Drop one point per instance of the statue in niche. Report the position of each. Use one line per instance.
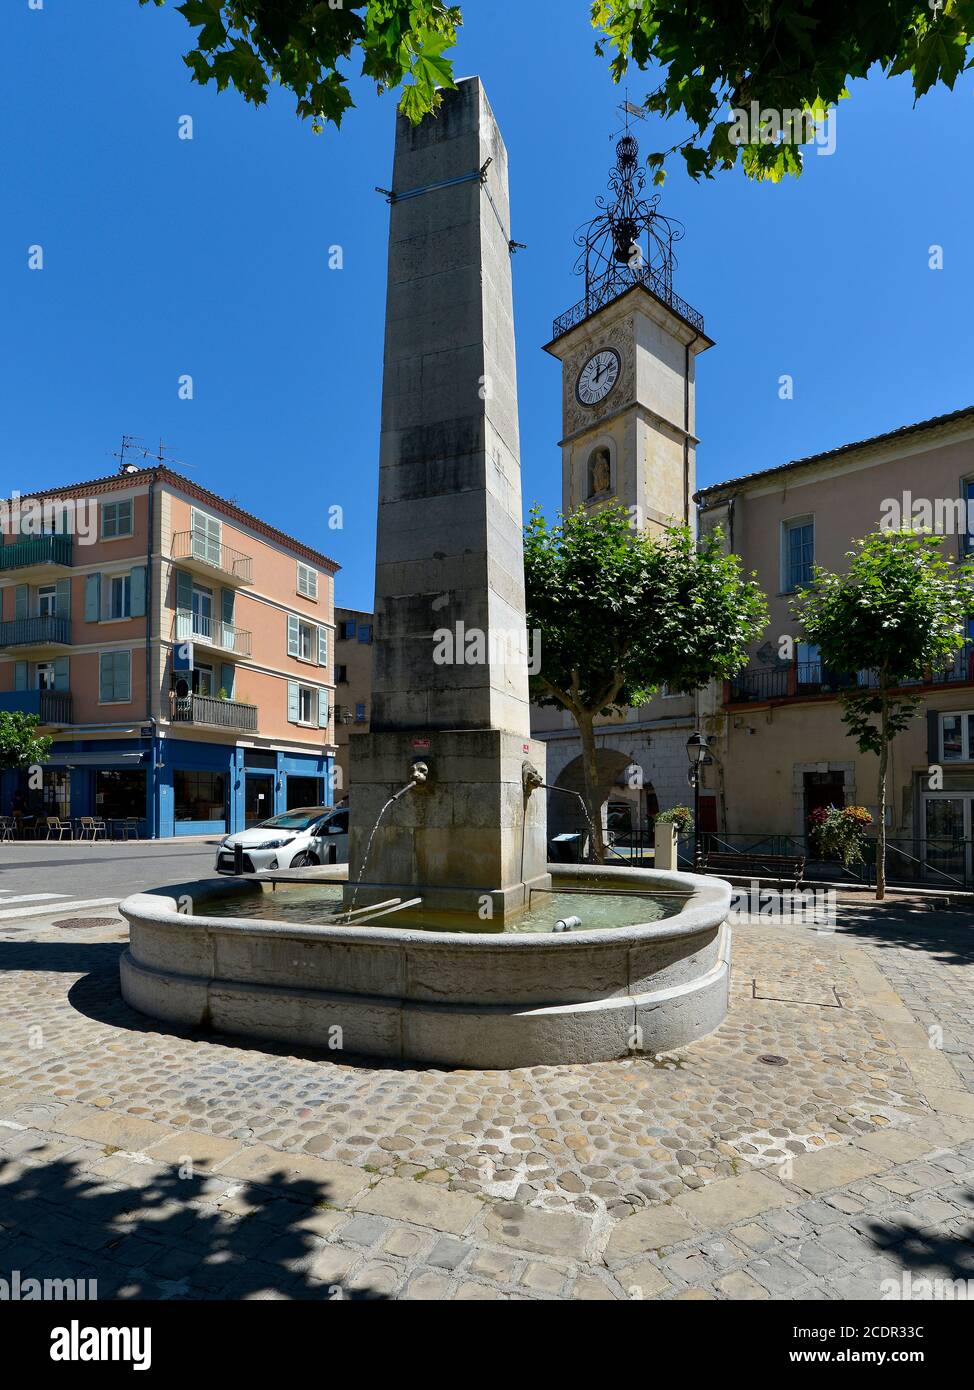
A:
(599, 472)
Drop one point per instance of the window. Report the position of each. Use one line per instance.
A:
(365, 632)
(119, 597)
(207, 534)
(120, 793)
(47, 600)
(44, 675)
(360, 714)
(307, 581)
(957, 738)
(341, 675)
(203, 680)
(798, 553)
(115, 678)
(307, 704)
(307, 641)
(968, 492)
(199, 796)
(202, 608)
(116, 519)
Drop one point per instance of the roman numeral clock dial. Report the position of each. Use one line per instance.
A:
(598, 377)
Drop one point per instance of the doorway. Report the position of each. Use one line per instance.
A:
(258, 799)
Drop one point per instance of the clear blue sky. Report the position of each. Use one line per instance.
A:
(210, 257)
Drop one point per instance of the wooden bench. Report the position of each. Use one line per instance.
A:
(779, 866)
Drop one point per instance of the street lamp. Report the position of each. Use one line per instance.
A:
(698, 751)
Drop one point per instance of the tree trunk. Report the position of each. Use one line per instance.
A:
(593, 800)
(881, 798)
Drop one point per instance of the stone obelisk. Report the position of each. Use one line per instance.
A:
(450, 679)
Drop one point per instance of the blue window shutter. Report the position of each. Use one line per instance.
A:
(137, 598)
(62, 673)
(322, 709)
(123, 675)
(92, 598)
(227, 674)
(105, 676)
(20, 675)
(184, 590)
(322, 646)
(21, 599)
(63, 598)
(293, 640)
(293, 702)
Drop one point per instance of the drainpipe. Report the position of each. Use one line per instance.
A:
(686, 429)
(152, 799)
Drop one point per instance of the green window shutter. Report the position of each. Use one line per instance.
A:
(322, 646)
(227, 601)
(105, 676)
(293, 702)
(293, 639)
(62, 680)
(21, 600)
(123, 675)
(184, 591)
(20, 675)
(322, 709)
(63, 598)
(92, 598)
(227, 674)
(138, 578)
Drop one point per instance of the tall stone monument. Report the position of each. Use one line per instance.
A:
(450, 679)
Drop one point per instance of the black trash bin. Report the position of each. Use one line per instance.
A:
(566, 849)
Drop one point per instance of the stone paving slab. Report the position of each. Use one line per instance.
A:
(172, 1164)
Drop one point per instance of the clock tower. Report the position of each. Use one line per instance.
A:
(628, 352)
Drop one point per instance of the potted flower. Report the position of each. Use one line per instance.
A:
(839, 832)
(668, 827)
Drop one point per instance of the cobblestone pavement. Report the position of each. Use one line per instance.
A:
(819, 1143)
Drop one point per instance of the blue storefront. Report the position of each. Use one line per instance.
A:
(170, 786)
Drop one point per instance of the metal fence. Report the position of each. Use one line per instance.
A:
(937, 863)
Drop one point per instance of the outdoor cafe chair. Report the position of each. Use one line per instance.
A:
(92, 828)
(58, 828)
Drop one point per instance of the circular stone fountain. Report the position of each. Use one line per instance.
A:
(454, 998)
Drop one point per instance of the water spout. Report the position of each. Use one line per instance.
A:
(420, 776)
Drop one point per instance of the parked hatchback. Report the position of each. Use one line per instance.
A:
(296, 840)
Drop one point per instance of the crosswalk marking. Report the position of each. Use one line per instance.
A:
(30, 897)
(65, 906)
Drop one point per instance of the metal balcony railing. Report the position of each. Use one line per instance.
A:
(50, 706)
(48, 630)
(36, 550)
(619, 281)
(806, 678)
(193, 627)
(194, 545)
(213, 713)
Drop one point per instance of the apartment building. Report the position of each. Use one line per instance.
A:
(353, 687)
(178, 649)
(781, 747)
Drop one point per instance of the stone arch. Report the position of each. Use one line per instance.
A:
(565, 813)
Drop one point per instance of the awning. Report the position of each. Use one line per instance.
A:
(105, 760)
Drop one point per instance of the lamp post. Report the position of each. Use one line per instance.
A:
(698, 749)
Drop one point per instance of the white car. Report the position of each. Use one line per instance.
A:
(295, 840)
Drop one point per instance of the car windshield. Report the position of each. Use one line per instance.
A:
(293, 820)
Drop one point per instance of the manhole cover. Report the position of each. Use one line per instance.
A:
(73, 923)
(770, 1060)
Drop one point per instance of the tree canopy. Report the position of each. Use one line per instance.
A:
(20, 747)
(712, 56)
(621, 613)
(302, 44)
(899, 613)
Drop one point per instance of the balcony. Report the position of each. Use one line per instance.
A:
(41, 553)
(47, 630)
(210, 632)
(50, 706)
(210, 712)
(198, 552)
(809, 679)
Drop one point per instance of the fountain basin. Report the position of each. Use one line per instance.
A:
(487, 1001)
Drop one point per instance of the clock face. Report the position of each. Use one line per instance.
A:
(599, 375)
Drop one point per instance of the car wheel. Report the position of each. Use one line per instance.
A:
(304, 860)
